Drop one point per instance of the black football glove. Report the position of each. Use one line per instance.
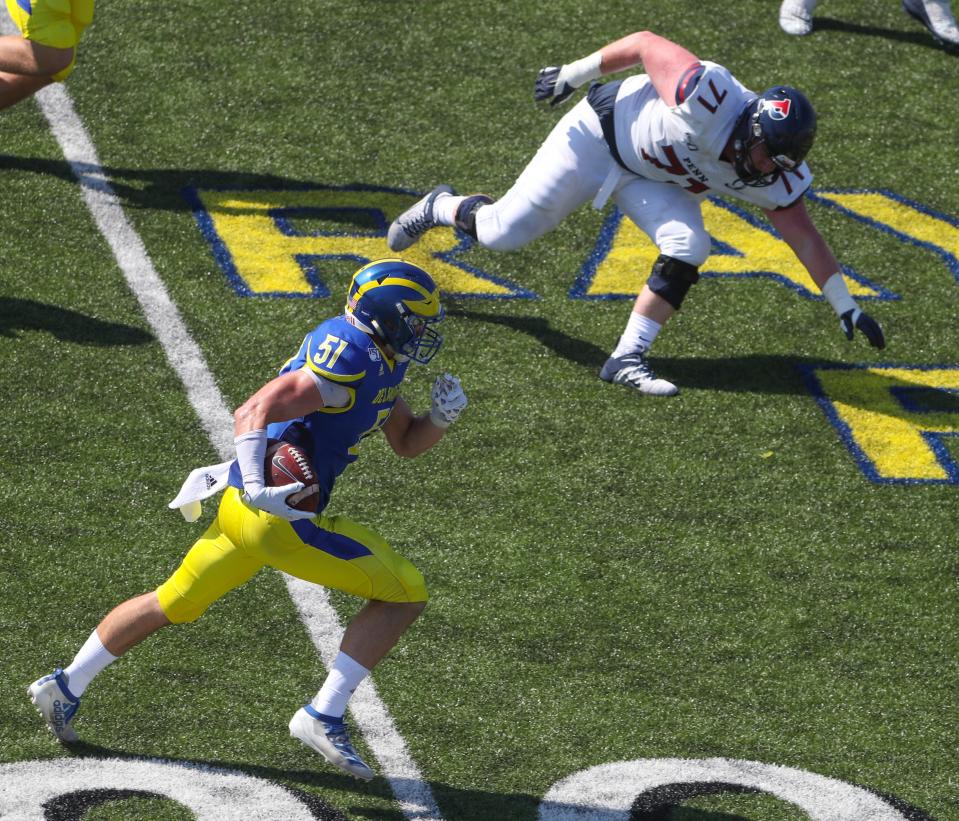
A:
(857, 319)
(546, 88)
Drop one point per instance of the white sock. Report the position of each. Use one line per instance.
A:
(345, 676)
(92, 658)
(444, 208)
(640, 333)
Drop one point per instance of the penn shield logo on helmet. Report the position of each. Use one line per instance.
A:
(781, 119)
(777, 109)
(398, 302)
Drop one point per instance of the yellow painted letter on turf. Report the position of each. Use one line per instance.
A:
(755, 253)
(892, 419)
(917, 224)
(268, 241)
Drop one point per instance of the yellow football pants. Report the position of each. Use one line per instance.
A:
(332, 551)
(55, 23)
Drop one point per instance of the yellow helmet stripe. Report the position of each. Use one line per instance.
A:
(429, 306)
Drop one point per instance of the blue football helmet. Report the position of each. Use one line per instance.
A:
(782, 119)
(398, 302)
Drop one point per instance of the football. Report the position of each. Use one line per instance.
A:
(286, 463)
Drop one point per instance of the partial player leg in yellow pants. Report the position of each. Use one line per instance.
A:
(46, 51)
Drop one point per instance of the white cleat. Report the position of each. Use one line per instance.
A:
(935, 15)
(415, 221)
(633, 371)
(795, 16)
(330, 740)
(56, 704)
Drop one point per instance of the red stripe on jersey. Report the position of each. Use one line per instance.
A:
(688, 82)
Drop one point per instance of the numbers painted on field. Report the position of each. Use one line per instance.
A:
(606, 792)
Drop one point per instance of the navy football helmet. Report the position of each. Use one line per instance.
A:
(397, 302)
(785, 122)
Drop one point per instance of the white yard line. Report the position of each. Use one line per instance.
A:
(373, 718)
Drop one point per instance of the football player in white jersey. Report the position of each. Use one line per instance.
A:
(656, 144)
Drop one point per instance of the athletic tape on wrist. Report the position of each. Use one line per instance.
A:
(582, 71)
(837, 294)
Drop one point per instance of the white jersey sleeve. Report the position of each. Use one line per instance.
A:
(709, 102)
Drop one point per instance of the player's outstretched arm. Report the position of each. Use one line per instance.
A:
(663, 60)
(797, 229)
(411, 435)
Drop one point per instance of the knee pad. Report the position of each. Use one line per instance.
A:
(672, 278)
(466, 213)
(698, 250)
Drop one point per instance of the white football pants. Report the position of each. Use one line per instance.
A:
(570, 168)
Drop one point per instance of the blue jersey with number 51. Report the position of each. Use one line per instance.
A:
(341, 353)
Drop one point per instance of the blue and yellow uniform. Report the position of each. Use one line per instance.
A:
(55, 23)
(332, 551)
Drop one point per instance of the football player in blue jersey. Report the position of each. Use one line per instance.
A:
(341, 386)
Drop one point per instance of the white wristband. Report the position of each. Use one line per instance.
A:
(837, 294)
(250, 453)
(581, 71)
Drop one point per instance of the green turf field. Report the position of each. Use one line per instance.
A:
(761, 569)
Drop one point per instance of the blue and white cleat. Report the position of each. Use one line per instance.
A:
(330, 739)
(56, 704)
(633, 371)
(415, 221)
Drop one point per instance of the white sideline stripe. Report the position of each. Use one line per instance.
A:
(164, 318)
(413, 794)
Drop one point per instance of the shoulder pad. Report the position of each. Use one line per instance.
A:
(792, 186)
(710, 88)
(338, 352)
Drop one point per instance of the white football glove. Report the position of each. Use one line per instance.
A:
(250, 455)
(273, 500)
(448, 401)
